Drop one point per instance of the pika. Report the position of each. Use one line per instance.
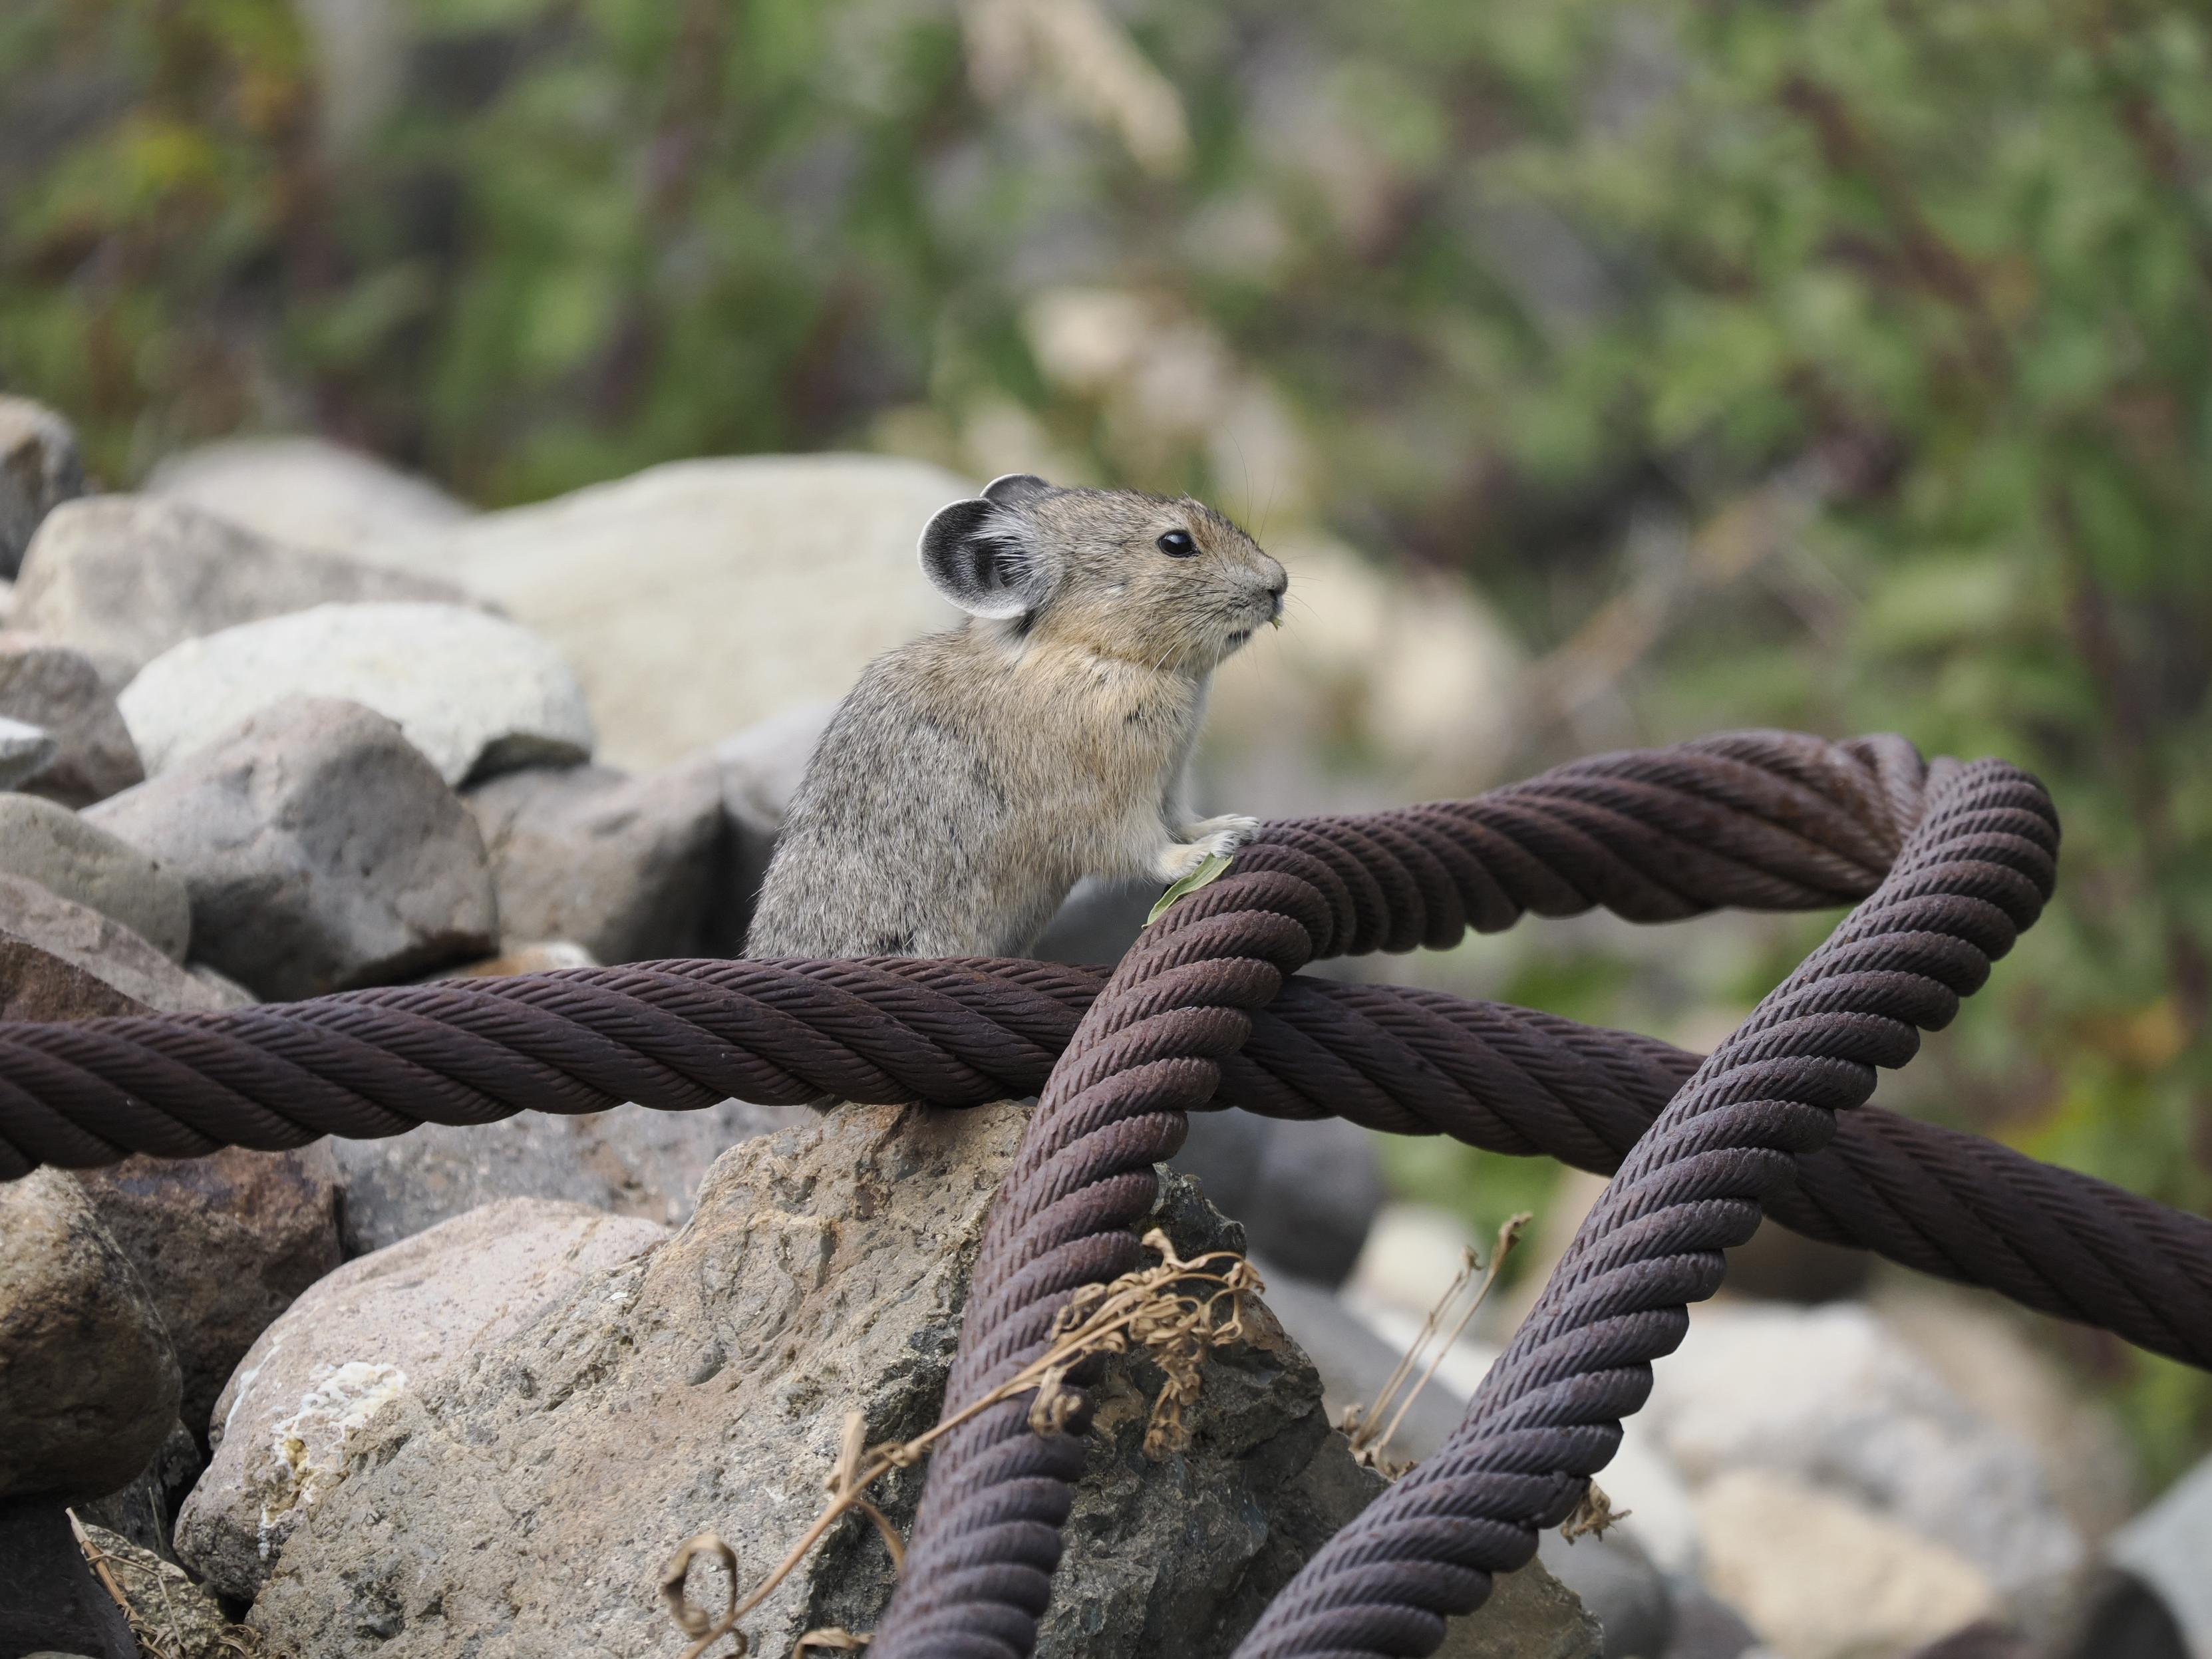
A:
(972, 776)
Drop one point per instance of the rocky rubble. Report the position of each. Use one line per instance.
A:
(320, 849)
(627, 1162)
(305, 492)
(474, 693)
(1820, 1578)
(222, 1243)
(123, 578)
(1850, 1478)
(1828, 1397)
(88, 1383)
(699, 596)
(49, 934)
(144, 1511)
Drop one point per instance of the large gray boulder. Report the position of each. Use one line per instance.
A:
(321, 851)
(697, 598)
(629, 1161)
(379, 1329)
(123, 578)
(64, 938)
(623, 866)
(475, 693)
(703, 1385)
(223, 1244)
(306, 492)
(39, 469)
(50, 685)
(76, 858)
(88, 1385)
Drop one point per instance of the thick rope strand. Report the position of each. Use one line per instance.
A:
(1761, 820)
(1547, 1416)
(956, 1033)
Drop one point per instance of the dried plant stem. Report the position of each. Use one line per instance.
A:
(1370, 1436)
(97, 1558)
(1149, 1308)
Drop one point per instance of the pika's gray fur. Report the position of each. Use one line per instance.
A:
(971, 777)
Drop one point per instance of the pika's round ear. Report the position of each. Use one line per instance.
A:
(982, 557)
(1016, 489)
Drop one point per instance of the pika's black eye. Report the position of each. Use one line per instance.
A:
(1177, 544)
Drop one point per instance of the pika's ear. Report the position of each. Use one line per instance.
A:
(983, 557)
(1016, 489)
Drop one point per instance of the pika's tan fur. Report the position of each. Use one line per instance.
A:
(973, 777)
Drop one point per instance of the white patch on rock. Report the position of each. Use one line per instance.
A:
(378, 1330)
(307, 1448)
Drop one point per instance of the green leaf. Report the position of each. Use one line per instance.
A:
(1214, 865)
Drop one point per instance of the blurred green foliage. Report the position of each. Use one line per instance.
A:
(1836, 364)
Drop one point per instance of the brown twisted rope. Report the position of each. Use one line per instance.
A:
(955, 1033)
(1976, 871)
(1757, 819)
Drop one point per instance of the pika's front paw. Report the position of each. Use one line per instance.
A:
(1223, 834)
(1209, 838)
